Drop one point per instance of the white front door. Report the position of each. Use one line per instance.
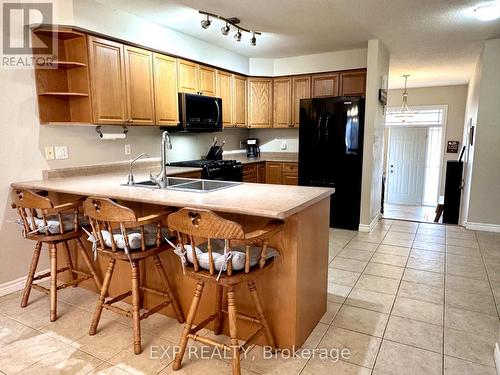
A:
(405, 177)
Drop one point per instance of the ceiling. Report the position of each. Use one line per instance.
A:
(437, 42)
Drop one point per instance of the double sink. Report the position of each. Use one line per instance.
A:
(188, 184)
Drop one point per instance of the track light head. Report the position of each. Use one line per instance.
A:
(225, 30)
(237, 36)
(206, 23)
(253, 40)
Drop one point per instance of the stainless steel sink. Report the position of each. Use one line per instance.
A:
(188, 184)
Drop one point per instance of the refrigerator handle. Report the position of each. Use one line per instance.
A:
(326, 126)
(320, 119)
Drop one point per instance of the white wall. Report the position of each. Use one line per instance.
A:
(373, 145)
(270, 139)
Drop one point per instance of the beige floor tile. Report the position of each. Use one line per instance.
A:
(425, 265)
(465, 260)
(430, 239)
(361, 320)
(338, 293)
(110, 339)
(404, 227)
(468, 271)
(463, 284)
(326, 367)
(81, 297)
(418, 310)
(421, 292)
(462, 242)
(463, 235)
(367, 299)
(384, 270)
(397, 242)
(428, 255)
(429, 246)
(392, 260)
(481, 303)
(424, 277)
(363, 348)
(67, 361)
(37, 316)
(107, 369)
(397, 359)
(400, 235)
(469, 347)
(348, 264)
(374, 237)
(431, 231)
(455, 366)
(414, 333)
(394, 250)
(315, 337)
(472, 322)
(361, 245)
(332, 308)
(461, 250)
(258, 361)
(378, 284)
(343, 277)
(361, 255)
(493, 271)
(162, 326)
(11, 330)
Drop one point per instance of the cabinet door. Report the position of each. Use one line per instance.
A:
(187, 76)
(139, 86)
(165, 85)
(274, 173)
(107, 79)
(353, 83)
(282, 100)
(207, 80)
(261, 173)
(260, 103)
(325, 85)
(225, 92)
(240, 101)
(290, 179)
(301, 89)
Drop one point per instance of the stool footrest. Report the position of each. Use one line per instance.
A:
(118, 298)
(40, 288)
(118, 310)
(207, 341)
(154, 291)
(47, 274)
(244, 317)
(252, 338)
(155, 309)
(202, 324)
(74, 282)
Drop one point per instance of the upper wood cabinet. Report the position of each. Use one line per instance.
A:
(282, 101)
(239, 101)
(139, 86)
(225, 92)
(207, 80)
(353, 83)
(165, 90)
(325, 85)
(187, 76)
(107, 81)
(260, 102)
(301, 89)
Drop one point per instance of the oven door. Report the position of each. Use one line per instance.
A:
(200, 113)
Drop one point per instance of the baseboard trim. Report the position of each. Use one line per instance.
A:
(368, 228)
(15, 285)
(483, 227)
(496, 357)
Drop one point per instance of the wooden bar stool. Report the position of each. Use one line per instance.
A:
(120, 235)
(226, 256)
(44, 222)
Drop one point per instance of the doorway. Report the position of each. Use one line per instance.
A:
(413, 163)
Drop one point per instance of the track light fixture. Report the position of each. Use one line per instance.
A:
(229, 22)
(206, 23)
(225, 30)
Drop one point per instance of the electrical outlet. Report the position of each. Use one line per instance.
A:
(61, 152)
(243, 143)
(128, 150)
(49, 153)
(283, 145)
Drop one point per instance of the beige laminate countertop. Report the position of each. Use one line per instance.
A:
(272, 201)
(281, 157)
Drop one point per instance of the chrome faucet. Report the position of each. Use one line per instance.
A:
(161, 178)
(130, 177)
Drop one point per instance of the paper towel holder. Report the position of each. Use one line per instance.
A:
(98, 130)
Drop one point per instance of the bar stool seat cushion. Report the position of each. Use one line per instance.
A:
(134, 237)
(237, 255)
(53, 223)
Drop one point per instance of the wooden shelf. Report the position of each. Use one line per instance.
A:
(62, 34)
(69, 64)
(60, 93)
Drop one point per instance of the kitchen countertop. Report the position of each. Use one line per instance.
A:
(284, 157)
(263, 200)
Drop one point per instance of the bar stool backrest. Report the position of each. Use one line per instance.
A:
(34, 209)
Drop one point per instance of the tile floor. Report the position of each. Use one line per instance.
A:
(406, 298)
(415, 213)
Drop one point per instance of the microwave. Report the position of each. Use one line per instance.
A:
(199, 113)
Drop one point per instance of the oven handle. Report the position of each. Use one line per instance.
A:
(218, 110)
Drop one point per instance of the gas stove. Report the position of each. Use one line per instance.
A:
(227, 170)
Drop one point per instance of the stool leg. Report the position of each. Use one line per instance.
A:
(233, 332)
(260, 312)
(89, 264)
(31, 274)
(166, 284)
(53, 281)
(218, 307)
(69, 263)
(136, 308)
(187, 327)
(102, 297)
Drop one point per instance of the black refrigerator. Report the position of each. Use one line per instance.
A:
(331, 153)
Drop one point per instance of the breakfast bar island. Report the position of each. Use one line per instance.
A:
(293, 292)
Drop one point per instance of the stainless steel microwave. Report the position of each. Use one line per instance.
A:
(199, 113)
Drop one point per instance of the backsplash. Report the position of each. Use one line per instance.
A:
(270, 140)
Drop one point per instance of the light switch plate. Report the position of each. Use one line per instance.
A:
(49, 153)
(128, 150)
(283, 145)
(61, 152)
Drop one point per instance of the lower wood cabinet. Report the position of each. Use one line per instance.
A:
(261, 173)
(250, 173)
(274, 172)
(282, 173)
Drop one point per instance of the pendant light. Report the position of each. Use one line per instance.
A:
(405, 114)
